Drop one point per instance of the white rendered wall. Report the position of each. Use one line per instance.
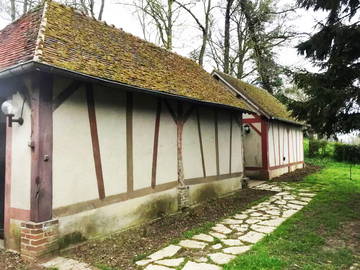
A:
(191, 149)
(111, 124)
(285, 144)
(253, 147)
(208, 137)
(143, 139)
(21, 157)
(74, 178)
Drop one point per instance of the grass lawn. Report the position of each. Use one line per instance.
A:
(324, 235)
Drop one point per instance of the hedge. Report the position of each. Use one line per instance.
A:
(338, 151)
(347, 152)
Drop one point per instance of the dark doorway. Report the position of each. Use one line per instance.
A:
(2, 169)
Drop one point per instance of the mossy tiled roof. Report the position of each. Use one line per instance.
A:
(18, 40)
(260, 97)
(70, 40)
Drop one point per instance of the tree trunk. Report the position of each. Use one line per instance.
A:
(101, 10)
(169, 25)
(202, 49)
(259, 57)
(25, 6)
(12, 10)
(227, 36)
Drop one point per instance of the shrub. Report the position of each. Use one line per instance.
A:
(318, 148)
(347, 152)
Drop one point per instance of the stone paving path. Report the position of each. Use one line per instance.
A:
(227, 239)
(232, 236)
(61, 263)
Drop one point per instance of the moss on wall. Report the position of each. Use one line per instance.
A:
(70, 239)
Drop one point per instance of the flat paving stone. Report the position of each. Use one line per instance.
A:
(281, 202)
(239, 228)
(143, 262)
(171, 262)
(220, 228)
(273, 212)
(236, 250)
(240, 216)
(203, 237)
(200, 266)
(216, 246)
(305, 199)
(202, 260)
(157, 267)
(252, 221)
(62, 263)
(272, 222)
(168, 251)
(218, 235)
(307, 194)
(232, 242)
(262, 229)
(192, 244)
(221, 258)
(288, 213)
(251, 237)
(298, 202)
(294, 206)
(230, 221)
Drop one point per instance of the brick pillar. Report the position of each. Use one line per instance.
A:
(39, 240)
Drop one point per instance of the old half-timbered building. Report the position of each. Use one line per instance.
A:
(101, 130)
(273, 140)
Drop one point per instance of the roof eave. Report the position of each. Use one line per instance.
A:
(38, 66)
(293, 122)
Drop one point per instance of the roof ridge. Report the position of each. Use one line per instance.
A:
(39, 43)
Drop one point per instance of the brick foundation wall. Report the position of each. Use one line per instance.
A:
(39, 240)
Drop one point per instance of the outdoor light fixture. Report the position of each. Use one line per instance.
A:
(247, 129)
(9, 110)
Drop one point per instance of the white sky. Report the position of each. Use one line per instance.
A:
(122, 17)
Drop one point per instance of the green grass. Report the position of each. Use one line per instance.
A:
(299, 243)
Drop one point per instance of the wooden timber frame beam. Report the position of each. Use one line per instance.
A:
(265, 144)
(42, 147)
(180, 117)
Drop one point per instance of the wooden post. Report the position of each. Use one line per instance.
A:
(179, 141)
(265, 147)
(42, 147)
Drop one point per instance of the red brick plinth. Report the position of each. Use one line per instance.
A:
(39, 240)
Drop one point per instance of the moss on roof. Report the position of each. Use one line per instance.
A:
(79, 43)
(262, 98)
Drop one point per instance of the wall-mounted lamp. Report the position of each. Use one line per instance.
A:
(247, 129)
(9, 110)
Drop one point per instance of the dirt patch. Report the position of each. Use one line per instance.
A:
(347, 237)
(122, 249)
(12, 261)
(297, 175)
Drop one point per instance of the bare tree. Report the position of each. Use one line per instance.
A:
(16, 8)
(162, 14)
(228, 14)
(204, 26)
(256, 28)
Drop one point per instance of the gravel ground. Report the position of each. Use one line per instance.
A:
(122, 249)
